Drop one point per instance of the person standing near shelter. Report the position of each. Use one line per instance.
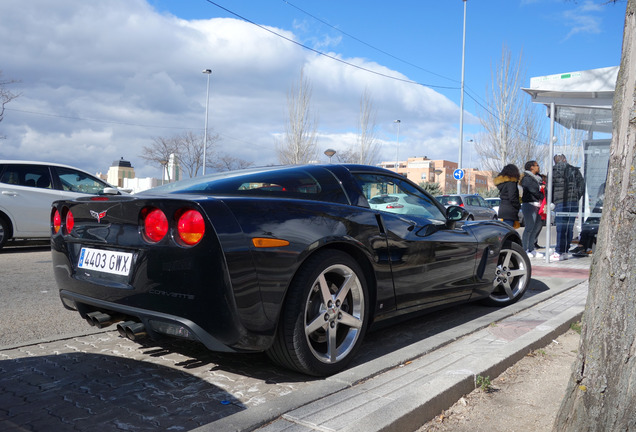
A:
(531, 183)
(508, 184)
(568, 186)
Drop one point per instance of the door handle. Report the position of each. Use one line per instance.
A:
(9, 193)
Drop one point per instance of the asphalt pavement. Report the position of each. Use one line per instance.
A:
(403, 377)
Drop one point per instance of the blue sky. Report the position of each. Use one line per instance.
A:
(100, 80)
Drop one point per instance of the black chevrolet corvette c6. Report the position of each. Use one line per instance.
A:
(295, 261)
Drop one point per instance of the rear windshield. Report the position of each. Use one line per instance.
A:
(293, 183)
(449, 200)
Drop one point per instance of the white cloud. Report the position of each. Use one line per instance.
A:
(585, 18)
(99, 80)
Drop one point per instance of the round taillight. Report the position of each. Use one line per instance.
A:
(191, 227)
(155, 225)
(69, 223)
(57, 221)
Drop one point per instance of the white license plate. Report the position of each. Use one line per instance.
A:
(118, 263)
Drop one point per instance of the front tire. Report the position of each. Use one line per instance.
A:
(512, 276)
(325, 316)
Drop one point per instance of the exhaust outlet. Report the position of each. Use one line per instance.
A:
(131, 330)
(100, 319)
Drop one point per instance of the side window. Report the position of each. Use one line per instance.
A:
(77, 181)
(27, 175)
(394, 195)
(482, 202)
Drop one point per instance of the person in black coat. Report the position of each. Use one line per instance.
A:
(568, 187)
(532, 185)
(507, 182)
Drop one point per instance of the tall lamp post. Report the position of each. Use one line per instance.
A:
(461, 104)
(437, 173)
(329, 153)
(470, 165)
(208, 72)
(397, 147)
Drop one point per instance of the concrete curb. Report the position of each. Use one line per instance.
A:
(414, 408)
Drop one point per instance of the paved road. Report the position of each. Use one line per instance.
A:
(58, 373)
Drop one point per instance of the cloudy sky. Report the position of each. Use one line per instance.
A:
(98, 80)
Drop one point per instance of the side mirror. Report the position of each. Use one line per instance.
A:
(456, 213)
(111, 191)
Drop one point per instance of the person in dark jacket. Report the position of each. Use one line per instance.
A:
(568, 186)
(532, 185)
(507, 182)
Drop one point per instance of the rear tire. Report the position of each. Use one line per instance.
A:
(511, 277)
(4, 232)
(325, 316)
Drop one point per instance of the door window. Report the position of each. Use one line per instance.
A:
(27, 175)
(77, 181)
(394, 195)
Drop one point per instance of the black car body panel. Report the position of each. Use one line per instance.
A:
(229, 294)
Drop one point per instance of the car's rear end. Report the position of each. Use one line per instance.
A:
(155, 266)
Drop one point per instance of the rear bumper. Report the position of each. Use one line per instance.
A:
(157, 324)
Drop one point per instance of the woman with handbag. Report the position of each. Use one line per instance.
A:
(532, 185)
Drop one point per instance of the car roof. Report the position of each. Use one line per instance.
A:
(25, 162)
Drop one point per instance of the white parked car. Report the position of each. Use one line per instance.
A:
(27, 190)
(493, 203)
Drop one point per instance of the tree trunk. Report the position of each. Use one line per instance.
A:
(601, 395)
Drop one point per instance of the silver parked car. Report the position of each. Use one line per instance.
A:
(474, 204)
(27, 190)
(494, 204)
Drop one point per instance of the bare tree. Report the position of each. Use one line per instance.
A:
(530, 141)
(601, 394)
(159, 152)
(6, 96)
(190, 151)
(569, 143)
(367, 145)
(348, 156)
(299, 142)
(512, 129)
(188, 147)
(226, 162)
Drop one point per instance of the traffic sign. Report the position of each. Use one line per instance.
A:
(458, 174)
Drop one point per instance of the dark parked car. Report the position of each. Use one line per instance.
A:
(475, 205)
(292, 261)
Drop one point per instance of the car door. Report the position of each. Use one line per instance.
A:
(478, 208)
(26, 194)
(430, 264)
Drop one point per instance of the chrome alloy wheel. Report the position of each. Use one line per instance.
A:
(512, 275)
(334, 313)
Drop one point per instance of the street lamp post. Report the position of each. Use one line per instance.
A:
(437, 173)
(461, 103)
(470, 165)
(329, 153)
(208, 72)
(397, 147)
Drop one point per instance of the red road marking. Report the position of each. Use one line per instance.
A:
(560, 272)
